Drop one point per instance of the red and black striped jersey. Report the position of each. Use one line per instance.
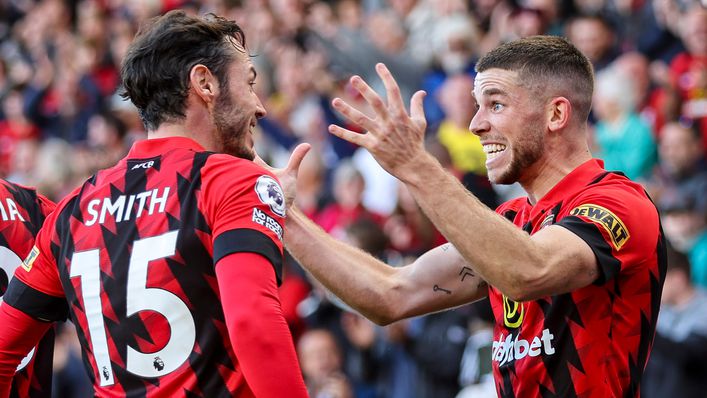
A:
(22, 212)
(133, 251)
(593, 341)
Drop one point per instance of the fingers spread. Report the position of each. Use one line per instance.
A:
(373, 99)
(348, 135)
(353, 114)
(395, 99)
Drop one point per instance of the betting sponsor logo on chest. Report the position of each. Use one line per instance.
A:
(507, 348)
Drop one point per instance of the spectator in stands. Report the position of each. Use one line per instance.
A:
(682, 169)
(321, 361)
(677, 365)
(688, 71)
(467, 154)
(348, 186)
(623, 140)
(594, 37)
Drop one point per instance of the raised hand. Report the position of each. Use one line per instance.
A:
(394, 137)
(288, 174)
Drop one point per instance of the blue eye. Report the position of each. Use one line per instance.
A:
(496, 107)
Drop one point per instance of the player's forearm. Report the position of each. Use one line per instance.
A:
(363, 282)
(502, 254)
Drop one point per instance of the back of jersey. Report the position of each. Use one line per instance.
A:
(134, 254)
(22, 212)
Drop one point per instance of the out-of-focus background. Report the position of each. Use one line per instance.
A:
(61, 119)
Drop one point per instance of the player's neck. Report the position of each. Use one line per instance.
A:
(198, 134)
(540, 178)
(563, 153)
(166, 130)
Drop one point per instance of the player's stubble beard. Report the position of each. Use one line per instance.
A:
(526, 150)
(232, 127)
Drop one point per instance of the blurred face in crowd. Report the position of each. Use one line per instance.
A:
(237, 109)
(694, 34)
(591, 37)
(318, 354)
(455, 100)
(679, 149)
(510, 127)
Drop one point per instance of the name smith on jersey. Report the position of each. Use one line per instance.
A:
(124, 206)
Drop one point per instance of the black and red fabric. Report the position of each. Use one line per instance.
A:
(22, 212)
(594, 341)
(132, 256)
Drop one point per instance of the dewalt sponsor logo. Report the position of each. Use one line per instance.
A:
(613, 225)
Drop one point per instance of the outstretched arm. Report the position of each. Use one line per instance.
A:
(438, 280)
(552, 261)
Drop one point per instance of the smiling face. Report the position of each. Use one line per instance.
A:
(510, 125)
(237, 109)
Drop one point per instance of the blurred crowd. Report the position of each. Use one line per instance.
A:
(62, 118)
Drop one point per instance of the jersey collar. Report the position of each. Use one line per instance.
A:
(157, 146)
(577, 179)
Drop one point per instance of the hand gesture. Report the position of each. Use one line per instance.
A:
(288, 174)
(394, 137)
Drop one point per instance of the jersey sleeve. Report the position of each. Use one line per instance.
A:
(619, 224)
(36, 289)
(244, 205)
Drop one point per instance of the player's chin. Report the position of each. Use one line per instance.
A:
(501, 176)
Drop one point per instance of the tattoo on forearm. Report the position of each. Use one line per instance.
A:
(481, 284)
(436, 288)
(446, 246)
(466, 271)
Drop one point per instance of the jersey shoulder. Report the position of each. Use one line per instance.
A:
(512, 207)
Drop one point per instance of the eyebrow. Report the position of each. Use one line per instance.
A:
(490, 92)
(493, 91)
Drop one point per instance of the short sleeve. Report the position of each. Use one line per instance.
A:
(619, 223)
(245, 206)
(36, 289)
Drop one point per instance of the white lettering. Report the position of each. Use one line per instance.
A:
(145, 165)
(505, 350)
(12, 209)
(535, 347)
(162, 201)
(112, 208)
(118, 209)
(547, 342)
(260, 218)
(92, 211)
(142, 196)
(11, 214)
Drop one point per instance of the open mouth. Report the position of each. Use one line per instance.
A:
(493, 150)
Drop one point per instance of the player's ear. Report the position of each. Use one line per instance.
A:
(558, 113)
(203, 83)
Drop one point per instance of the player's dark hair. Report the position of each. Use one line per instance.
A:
(548, 65)
(155, 71)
